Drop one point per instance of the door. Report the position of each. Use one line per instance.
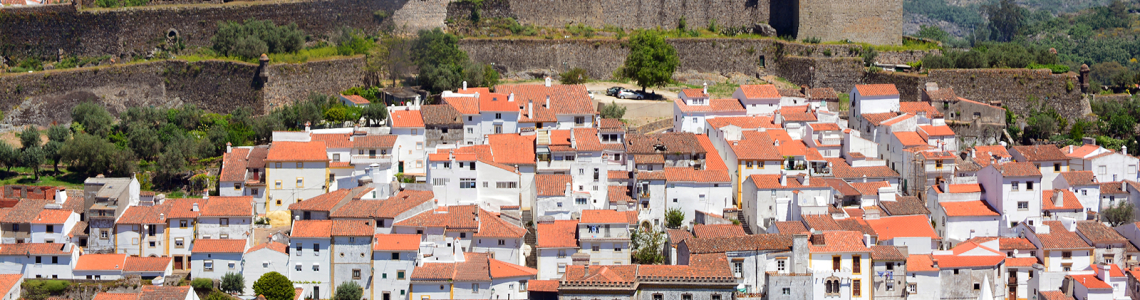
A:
(316, 292)
(178, 263)
(401, 167)
(387, 296)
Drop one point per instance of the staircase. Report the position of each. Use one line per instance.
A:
(531, 239)
(744, 222)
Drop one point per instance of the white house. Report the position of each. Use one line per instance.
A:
(148, 268)
(311, 256)
(840, 264)
(775, 198)
(394, 258)
(1014, 190)
(142, 231)
(557, 241)
(476, 277)
(264, 258)
(213, 258)
(243, 174)
(1083, 185)
(295, 171)
(1061, 249)
(182, 219)
(923, 276)
(53, 226)
(873, 99)
(1050, 160)
(10, 286)
(408, 152)
(226, 218)
(100, 266)
(604, 235)
(39, 260)
(352, 252)
(759, 99)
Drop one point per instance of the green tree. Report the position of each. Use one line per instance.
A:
(91, 155)
(1120, 214)
(57, 137)
(651, 60)
(202, 284)
(613, 111)
(254, 37)
(933, 32)
(349, 290)
(674, 217)
(33, 158)
(217, 295)
(233, 283)
(143, 140)
(869, 55)
(439, 59)
(574, 76)
(9, 156)
(1006, 19)
(648, 244)
(274, 286)
(94, 118)
(30, 137)
(374, 113)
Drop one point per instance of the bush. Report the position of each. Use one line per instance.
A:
(233, 283)
(612, 111)
(349, 290)
(252, 38)
(274, 286)
(674, 218)
(574, 76)
(1056, 69)
(202, 283)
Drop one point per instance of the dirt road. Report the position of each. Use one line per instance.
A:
(637, 112)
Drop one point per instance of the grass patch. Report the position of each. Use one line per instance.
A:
(717, 90)
(23, 176)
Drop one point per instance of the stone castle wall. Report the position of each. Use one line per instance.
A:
(215, 86)
(871, 21)
(1020, 90)
(135, 31)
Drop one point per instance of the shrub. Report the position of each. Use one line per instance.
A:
(233, 283)
(674, 217)
(1055, 68)
(349, 290)
(202, 283)
(245, 39)
(274, 286)
(574, 76)
(613, 111)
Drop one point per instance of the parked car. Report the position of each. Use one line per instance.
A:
(630, 94)
(613, 91)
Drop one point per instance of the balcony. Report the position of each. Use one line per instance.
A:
(371, 159)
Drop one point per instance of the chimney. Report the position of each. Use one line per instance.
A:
(1058, 198)
(867, 240)
(547, 81)
(778, 119)
(706, 89)
(934, 261)
(307, 124)
(464, 85)
(972, 153)
(229, 147)
(799, 253)
(783, 178)
(1124, 150)
(547, 106)
(194, 208)
(511, 97)
(530, 108)
(805, 180)
(568, 190)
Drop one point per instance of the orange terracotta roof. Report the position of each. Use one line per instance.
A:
(154, 292)
(964, 188)
(407, 119)
(940, 130)
(1060, 238)
(877, 89)
(33, 248)
(913, 108)
(559, 234)
(312, 229)
(838, 241)
(1090, 281)
(898, 119)
(275, 246)
(602, 216)
(745, 122)
(759, 91)
(1079, 178)
(680, 174)
(500, 269)
(1021, 262)
(968, 209)
(564, 99)
(1079, 152)
(551, 184)
(297, 151)
(396, 242)
(386, 141)
(869, 188)
(586, 139)
(877, 119)
(494, 226)
(147, 264)
(52, 216)
(1069, 202)
(356, 99)
(958, 261)
(101, 262)
(920, 263)
(718, 231)
(1018, 169)
(495, 102)
(332, 140)
(755, 145)
(234, 165)
(222, 206)
(1055, 295)
(352, 227)
(821, 223)
(1040, 153)
(903, 226)
(790, 227)
(769, 182)
(1006, 243)
(218, 246)
(512, 149)
(545, 286)
(610, 124)
(802, 113)
(715, 105)
(464, 105)
(824, 126)
(612, 274)
(701, 266)
(323, 202)
(695, 93)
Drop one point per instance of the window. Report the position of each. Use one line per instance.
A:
(912, 288)
(439, 181)
(977, 286)
(225, 222)
(1066, 254)
(355, 273)
(419, 145)
(485, 184)
(579, 121)
(595, 248)
(400, 274)
(1056, 167)
(1028, 185)
(55, 260)
(835, 263)
(298, 267)
(1066, 267)
(300, 182)
(467, 183)
(658, 297)
(103, 234)
(39, 259)
(580, 201)
(781, 265)
(395, 256)
(1084, 192)
(208, 265)
(419, 163)
(475, 287)
(522, 285)
(687, 297)
(498, 128)
(1014, 185)
(831, 286)
(277, 165)
(277, 185)
(507, 185)
(152, 244)
(232, 265)
(179, 243)
(561, 268)
(787, 291)
(856, 264)
(1022, 205)
(890, 285)
(502, 242)
(617, 248)
(561, 253)
(856, 288)
(182, 224)
(316, 251)
(316, 267)
(738, 268)
(891, 266)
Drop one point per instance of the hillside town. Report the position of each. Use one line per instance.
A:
(528, 193)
